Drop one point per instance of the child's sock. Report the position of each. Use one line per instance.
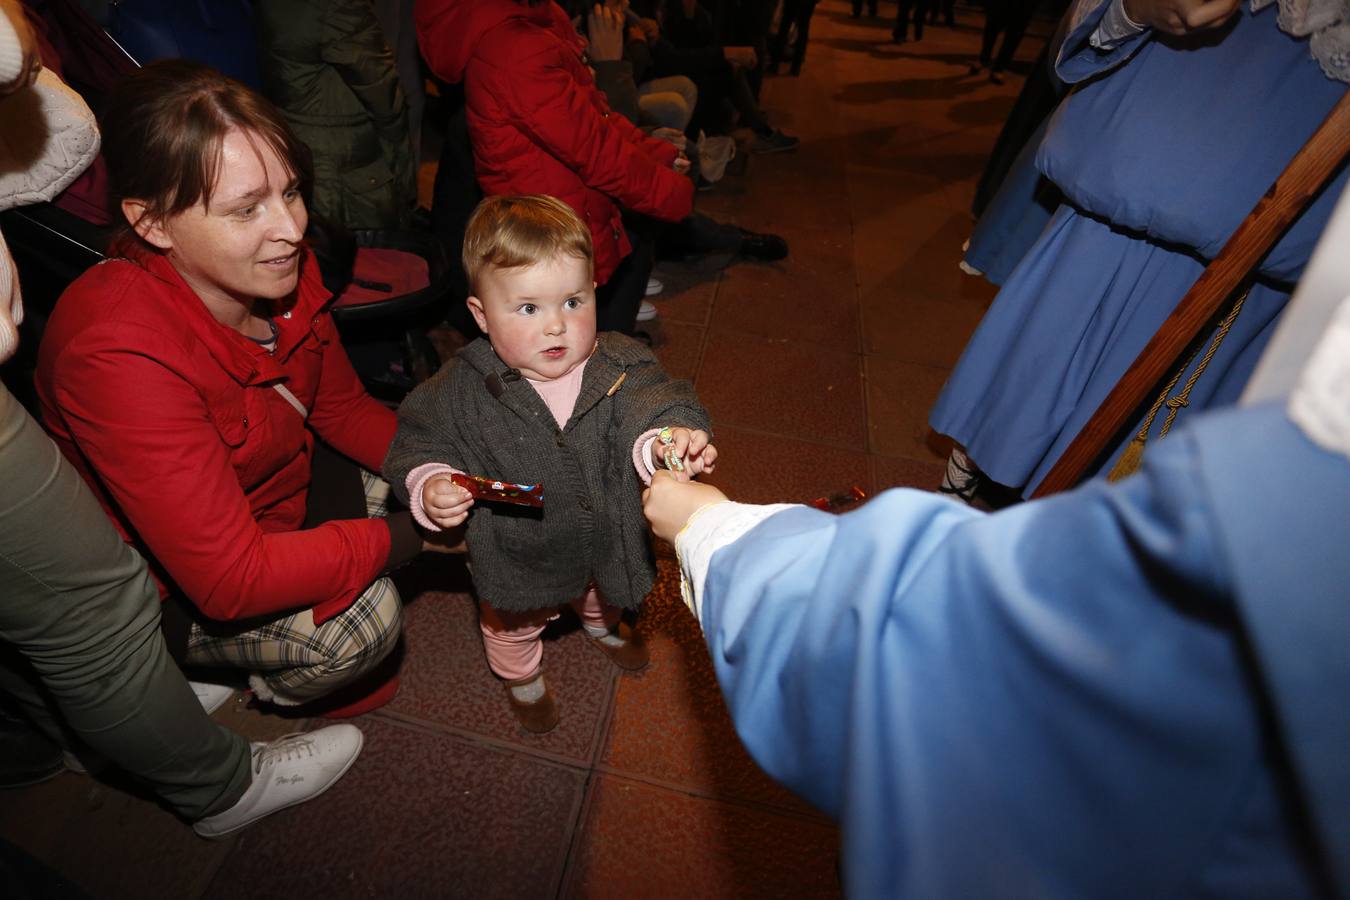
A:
(604, 636)
(529, 692)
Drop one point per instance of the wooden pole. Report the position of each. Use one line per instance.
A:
(1295, 188)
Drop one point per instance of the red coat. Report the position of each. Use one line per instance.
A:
(538, 123)
(202, 465)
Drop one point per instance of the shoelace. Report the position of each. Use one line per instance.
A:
(282, 748)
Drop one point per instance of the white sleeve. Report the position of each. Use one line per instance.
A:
(707, 531)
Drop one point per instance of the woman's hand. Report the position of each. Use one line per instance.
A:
(684, 452)
(669, 503)
(445, 503)
(1180, 16)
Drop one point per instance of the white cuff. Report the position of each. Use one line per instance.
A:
(1115, 27)
(708, 530)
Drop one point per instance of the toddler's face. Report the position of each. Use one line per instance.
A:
(540, 318)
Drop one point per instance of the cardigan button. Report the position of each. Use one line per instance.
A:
(245, 421)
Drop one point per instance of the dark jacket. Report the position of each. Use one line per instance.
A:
(482, 417)
(540, 126)
(326, 65)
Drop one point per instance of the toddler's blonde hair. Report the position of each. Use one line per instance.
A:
(511, 231)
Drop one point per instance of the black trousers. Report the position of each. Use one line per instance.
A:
(619, 298)
(1009, 18)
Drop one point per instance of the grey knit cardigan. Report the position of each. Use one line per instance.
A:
(482, 417)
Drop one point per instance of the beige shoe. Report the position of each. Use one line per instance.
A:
(535, 716)
(631, 655)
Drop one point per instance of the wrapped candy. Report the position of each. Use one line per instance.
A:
(491, 490)
(838, 503)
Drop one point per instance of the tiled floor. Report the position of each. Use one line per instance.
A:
(819, 372)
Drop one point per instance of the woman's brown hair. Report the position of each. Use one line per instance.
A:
(163, 127)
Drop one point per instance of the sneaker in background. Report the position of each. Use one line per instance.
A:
(646, 312)
(286, 772)
(762, 246)
(775, 142)
(654, 287)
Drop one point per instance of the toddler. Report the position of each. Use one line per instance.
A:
(544, 400)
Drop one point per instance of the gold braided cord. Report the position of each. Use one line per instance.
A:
(1134, 451)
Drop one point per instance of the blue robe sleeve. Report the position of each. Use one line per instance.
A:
(1051, 701)
(1078, 59)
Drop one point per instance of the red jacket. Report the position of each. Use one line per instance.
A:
(203, 466)
(538, 123)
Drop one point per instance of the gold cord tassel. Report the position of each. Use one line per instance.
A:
(1129, 460)
(1133, 456)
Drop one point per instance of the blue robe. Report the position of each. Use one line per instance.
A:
(1159, 160)
(1132, 690)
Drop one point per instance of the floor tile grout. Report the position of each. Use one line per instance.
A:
(689, 791)
(413, 723)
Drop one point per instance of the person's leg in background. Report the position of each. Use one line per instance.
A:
(805, 10)
(901, 30)
(697, 233)
(80, 626)
(778, 48)
(994, 13)
(667, 102)
(1015, 24)
(620, 298)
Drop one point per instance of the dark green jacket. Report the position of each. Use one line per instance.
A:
(325, 63)
(483, 418)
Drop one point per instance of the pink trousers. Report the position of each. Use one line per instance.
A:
(511, 639)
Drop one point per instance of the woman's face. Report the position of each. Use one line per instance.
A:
(246, 244)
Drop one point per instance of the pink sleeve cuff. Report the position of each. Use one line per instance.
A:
(642, 455)
(417, 479)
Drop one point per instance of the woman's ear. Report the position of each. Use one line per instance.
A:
(151, 230)
(476, 307)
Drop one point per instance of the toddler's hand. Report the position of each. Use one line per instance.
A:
(445, 503)
(686, 453)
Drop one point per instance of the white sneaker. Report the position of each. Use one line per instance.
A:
(289, 770)
(654, 287)
(646, 312)
(211, 696)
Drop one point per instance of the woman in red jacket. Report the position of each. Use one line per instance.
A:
(187, 377)
(539, 125)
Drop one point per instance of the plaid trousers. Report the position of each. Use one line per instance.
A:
(293, 659)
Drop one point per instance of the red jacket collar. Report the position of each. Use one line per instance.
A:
(245, 362)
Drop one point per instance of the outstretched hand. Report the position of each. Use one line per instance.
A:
(687, 455)
(1180, 17)
(669, 503)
